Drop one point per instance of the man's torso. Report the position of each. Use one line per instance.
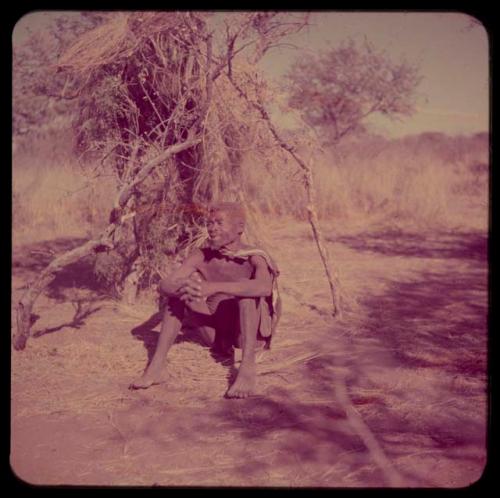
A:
(218, 268)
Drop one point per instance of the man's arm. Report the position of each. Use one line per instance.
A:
(259, 285)
(174, 284)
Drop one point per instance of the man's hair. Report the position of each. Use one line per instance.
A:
(233, 209)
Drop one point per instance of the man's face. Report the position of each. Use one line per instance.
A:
(222, 229)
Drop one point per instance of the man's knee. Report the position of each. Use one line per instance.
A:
(247, 304)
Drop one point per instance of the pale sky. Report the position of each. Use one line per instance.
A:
(452, 56)
(451, 51)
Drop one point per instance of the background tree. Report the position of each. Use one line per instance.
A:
(42, 96)
(337, 90)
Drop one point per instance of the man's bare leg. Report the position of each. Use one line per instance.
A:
(170, 327)
(244, 385)
(225, 310)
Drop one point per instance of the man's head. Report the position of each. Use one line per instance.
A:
(226, 222)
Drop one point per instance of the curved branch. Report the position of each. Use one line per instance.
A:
(127, 190)
(332, 277)
(104, 242)
(25, 304)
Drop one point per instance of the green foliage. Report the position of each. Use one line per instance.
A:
(338, 89)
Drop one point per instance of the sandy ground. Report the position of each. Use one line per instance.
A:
(392, 394)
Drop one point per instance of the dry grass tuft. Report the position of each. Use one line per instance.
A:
(393, 184)
(395, 187)
(53, 199)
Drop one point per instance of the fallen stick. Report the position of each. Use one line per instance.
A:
(392, 476)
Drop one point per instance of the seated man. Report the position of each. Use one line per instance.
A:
(228, 291)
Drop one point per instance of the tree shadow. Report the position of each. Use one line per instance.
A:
(409, 318)
(79, 275)
(83, 309)
(320, 433)
(303, 438)
(470, 246)
(439, 320)
(413, 321)
(311, 426)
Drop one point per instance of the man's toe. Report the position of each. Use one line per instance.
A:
(141, 385)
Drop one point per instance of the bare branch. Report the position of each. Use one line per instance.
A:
(311, 196)
(25, 304)
(127, 190)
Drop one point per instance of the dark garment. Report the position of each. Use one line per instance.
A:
(224, 318)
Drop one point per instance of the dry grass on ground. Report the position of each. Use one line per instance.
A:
(412, 357)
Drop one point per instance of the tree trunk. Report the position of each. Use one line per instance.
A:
(331, 274)
(131, 284)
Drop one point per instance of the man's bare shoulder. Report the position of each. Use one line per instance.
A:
(258, 261)
(198, 252)
(196, 256)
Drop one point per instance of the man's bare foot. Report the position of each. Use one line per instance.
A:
(148, 380)
(244, 385)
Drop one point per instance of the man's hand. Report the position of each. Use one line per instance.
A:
(188, 288)
(195, 289)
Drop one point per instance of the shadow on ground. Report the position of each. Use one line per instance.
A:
(83, 309)
(438, 320)
(469, 246)
(310, 442)
(29, 260)
(145, 332)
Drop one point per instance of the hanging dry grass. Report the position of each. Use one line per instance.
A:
(173, 113)
(101, 45)
(151, 82)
